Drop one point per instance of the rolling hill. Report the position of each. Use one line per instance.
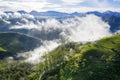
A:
(12, 43)
(99, 60)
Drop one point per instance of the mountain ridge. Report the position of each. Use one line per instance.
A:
(57, 13)
(12, 43)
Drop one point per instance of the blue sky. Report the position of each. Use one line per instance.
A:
(60, 5)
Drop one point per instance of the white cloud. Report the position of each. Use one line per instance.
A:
(27, 6)
(101, 3)
(72, 1)
(40, 51)
(91, 27)
(22, 0)
(85, 9)
(65, 6)
(77, 29)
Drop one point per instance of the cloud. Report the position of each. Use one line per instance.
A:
(40, 51)
(72, 1)
(22, 0)
(118, 31)
(94, 3)
(77, 29)
(16, 15)
(100, 3)
(85, 9)
(90, 27)
(27, 6)
(59, 5)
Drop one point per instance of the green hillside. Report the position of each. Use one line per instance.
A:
(93, 61)
(99, 60)
(12, 43)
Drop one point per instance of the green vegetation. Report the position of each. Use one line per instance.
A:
(1, 49)
(12, 43)
(92, 61)
(15, 70)
(99, 60)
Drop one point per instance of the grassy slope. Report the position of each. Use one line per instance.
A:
(93, 61)
(12, 43)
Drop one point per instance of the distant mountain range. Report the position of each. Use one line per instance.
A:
(61, 14)
(10, 19)
(113, 18)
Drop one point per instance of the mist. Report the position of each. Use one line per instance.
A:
(88, 28)
(51, 30)
(76, 29)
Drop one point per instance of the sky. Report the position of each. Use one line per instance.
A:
(60, 5)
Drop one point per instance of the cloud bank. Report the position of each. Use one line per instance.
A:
(90, 27)
(77, 29)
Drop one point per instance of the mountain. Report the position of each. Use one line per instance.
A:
(99, 60)
(7, 12)
(13, 43)
(78, 14)
(112, 18)
(22, 12)
(49, 14)
(72, 61)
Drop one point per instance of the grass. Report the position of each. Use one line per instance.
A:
(92, 61)
(99, 60)
(1, 49)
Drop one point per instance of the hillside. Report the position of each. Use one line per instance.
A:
(12, 43)
(92, 61)
(99, 60)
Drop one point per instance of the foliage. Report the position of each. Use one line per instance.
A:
(99, 60)
(92, 61)
(12, 43)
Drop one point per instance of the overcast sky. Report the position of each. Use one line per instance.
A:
(60, 5)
